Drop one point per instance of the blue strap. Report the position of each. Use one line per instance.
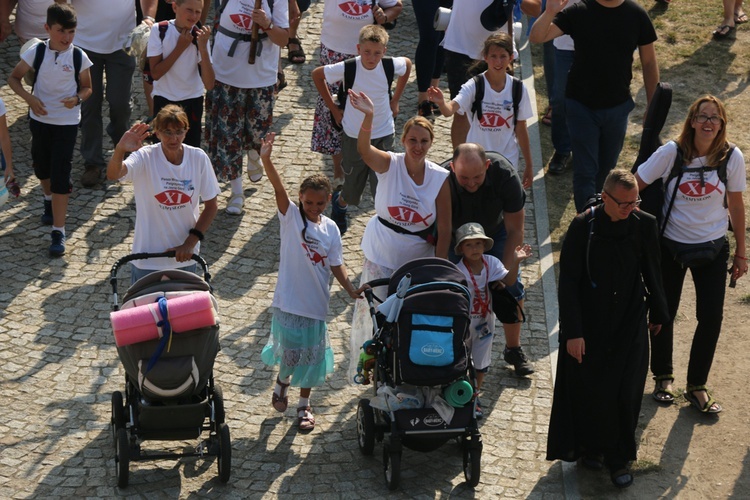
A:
(166, 333)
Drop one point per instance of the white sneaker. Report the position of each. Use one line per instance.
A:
(254, 166)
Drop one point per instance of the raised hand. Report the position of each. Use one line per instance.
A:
(523, 252)
(361, 102)
(132, 140)
(266, 145)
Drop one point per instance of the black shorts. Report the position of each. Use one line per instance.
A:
(460, 68)
(52, 153)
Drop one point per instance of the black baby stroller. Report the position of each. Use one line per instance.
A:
(169, 388)
(422, 344)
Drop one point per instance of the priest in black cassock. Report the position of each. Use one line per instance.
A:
(610, 294)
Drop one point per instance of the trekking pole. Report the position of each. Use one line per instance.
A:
(254, 36)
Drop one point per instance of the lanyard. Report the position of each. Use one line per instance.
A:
(484, 306)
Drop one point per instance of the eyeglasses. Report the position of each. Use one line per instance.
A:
(173, 133)
(625, 204)
(705, 118)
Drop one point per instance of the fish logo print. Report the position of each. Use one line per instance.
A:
(173, 198)
(242, 21)
(494, 120)
(406, 214)
(314, 256)
(353, 8)
(694, 189)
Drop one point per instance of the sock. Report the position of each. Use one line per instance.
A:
(61, 229)
(236, 185)
(279, 389)
(47, 197)
(303, 403)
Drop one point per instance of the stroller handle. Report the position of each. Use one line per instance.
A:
(142, 256)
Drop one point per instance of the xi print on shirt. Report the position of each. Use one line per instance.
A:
(697, 186)
(176, 194)
(243, 19)
(354, 9)
(406, 213)
(312, 248)
(496, 116)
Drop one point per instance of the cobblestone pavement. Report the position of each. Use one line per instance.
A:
(60, 365)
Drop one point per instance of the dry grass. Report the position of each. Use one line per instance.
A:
(693, 64)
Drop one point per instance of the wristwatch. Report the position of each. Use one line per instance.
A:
(79, 100)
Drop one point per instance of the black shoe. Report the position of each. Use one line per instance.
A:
(516, 357)
(338, 213)
(91, 175)
(47, 214)
(558, 163)
(425, 109)
(57, 248)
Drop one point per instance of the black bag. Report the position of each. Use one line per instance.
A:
(506, 307)
(694, 254)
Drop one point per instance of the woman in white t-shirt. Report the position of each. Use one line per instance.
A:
(498, 129)
(170, 180)
(694, 213)
(412, 205)
(310, 252)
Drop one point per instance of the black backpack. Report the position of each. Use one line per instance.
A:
(39, 58)
(350, 72)
(516, 91)
(678, 170)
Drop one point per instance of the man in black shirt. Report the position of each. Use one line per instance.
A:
(598, 100)
(486, 189)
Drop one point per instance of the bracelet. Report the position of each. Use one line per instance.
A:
(739, 257)
(149, 18)
(365, 129)
(197, 234)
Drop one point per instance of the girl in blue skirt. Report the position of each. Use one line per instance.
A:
(310, 251)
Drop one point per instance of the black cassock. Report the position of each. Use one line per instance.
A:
(610, 276)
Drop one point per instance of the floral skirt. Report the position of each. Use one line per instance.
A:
(325, 138)
(301, 348)
(362, 321)
(236, 120)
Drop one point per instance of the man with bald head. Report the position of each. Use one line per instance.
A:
(486, 189)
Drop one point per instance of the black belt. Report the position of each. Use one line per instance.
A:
(426, 234)
(239, 37)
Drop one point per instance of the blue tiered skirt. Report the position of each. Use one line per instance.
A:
(301, 348)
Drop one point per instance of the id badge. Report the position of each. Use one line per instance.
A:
(483, 330)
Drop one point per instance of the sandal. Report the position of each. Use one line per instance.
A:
(622, 478)
(740, 18)
(236, 204)
(306, 422)
(295, 56)
(711, 405)
(547, 118)
(722, 32)
(662, 394)
(281, 83)
(280, 402)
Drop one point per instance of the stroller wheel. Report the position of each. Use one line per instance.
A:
(472, 464)
(122, 458)
(365, 427)
(219, 414)
(225, 453)
(391, 467)
(118, 414)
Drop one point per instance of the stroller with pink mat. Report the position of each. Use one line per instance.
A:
(167, 336)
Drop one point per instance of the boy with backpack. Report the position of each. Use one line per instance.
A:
(181, 65)
(372, 73)
(62, 82)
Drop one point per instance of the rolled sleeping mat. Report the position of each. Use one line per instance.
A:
(185, 313)
(458, 394)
